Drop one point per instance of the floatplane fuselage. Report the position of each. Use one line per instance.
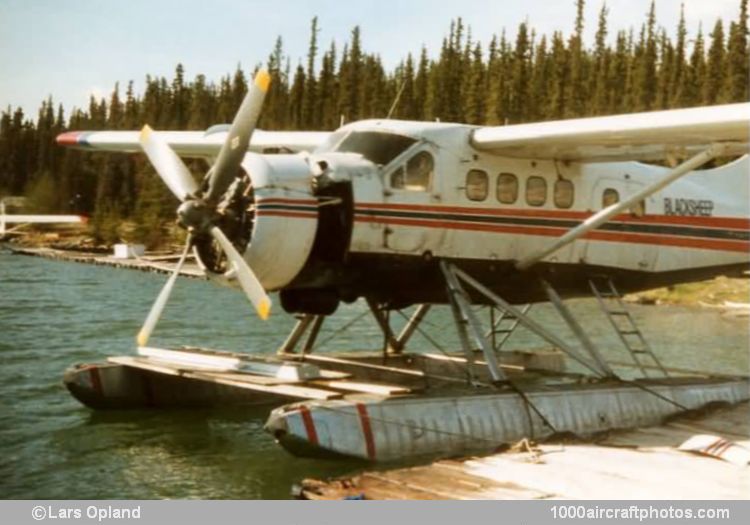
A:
(374, 207)
(371, 209)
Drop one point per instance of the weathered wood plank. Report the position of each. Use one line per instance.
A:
(286, 390)
(232, 379)
(367, 388)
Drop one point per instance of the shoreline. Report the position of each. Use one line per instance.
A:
(147, 263)
(730, 293)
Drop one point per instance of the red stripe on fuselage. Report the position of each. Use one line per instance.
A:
(275, 200)
(282, 213)
(547, 231)
(708, 222)
(638, 238)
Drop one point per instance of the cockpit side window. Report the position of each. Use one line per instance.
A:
(377, 147)
(416, 175)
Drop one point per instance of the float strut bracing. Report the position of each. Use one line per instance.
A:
(525, 320)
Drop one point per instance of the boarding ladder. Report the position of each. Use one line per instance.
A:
(502, 325)
(622, 321)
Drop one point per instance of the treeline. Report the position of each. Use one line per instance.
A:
(530, 78)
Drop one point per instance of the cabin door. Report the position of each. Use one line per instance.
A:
(617, 243)
(412, 192)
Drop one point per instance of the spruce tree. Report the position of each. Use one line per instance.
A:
(735, 88)
(715, 71)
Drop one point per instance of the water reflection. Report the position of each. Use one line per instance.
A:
(55, 314)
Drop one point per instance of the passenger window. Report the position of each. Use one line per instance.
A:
(418, 172)
(507, 188)
(477, 185)
(564, 193)
(536, 191)
(610, 197)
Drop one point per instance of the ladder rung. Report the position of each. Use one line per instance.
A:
(618, 312)
(638, 351)
(503, 331)
(630, 332)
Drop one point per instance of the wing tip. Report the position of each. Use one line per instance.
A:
(69, 138)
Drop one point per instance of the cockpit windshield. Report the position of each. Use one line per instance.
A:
(376, 146)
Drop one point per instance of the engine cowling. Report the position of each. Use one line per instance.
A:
(271, 217)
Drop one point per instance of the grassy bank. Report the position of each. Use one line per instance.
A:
(712, 292)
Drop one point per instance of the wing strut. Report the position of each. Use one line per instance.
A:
(596, 220)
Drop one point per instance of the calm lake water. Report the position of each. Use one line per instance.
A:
(54, 314)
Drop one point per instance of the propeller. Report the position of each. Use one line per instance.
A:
(161, 301)
(197, 211)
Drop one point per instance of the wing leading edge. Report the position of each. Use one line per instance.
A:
(192, 143)
(638, 136)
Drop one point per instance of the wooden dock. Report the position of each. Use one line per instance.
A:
(645, 463)
(158, 264)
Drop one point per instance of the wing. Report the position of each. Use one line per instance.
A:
(192, 143)
(638, 136)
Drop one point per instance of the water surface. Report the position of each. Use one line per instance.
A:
(54, 314)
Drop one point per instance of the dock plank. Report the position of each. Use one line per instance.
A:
(367, 388)
(287, 390)
(241, 380)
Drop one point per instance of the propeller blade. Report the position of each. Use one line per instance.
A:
(161, 301)
(168, 165)
(235, 146)
(249, 282)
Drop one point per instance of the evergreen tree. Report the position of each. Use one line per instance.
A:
(309, 96)
(715, 71)
(537, 77)
(644, 95)
(735, 87)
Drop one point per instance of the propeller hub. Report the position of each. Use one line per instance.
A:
(194, 215)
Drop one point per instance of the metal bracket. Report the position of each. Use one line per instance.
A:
(577, 329)
(465, 319)
(290, 344)
(392, 344)
(525, 320)
(411, 326)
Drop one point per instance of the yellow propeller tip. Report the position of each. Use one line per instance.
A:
(262, 80)
(145, 132)
(141, 339)
(264, 309)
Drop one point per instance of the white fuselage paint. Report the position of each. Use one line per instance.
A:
(699, 221)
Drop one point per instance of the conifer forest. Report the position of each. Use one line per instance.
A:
(532, 77)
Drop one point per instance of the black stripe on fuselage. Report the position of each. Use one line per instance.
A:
(683, 231)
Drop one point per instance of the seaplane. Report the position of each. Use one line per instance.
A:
(19, 221)
(412, 214)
